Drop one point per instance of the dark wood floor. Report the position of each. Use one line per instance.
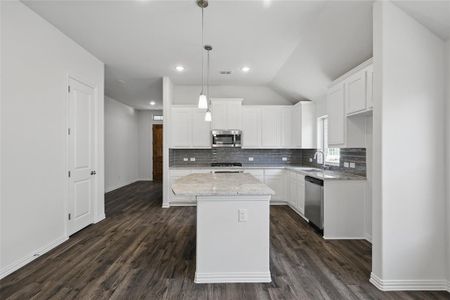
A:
(142, 251)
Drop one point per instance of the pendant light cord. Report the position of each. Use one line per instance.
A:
(207, 77)
(203, 68)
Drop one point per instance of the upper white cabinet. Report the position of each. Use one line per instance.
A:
(251, 127)
(303, 125)
(349, 99)
(336, 115)
(226, 113)
(286, 127)
(271, 123)
(188, 128)
(359, 90)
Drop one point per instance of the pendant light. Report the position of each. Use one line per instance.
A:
(202, 99)
(208, 116)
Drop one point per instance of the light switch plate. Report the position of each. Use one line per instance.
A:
(243, 215)
(250, 159)
(185, 159)
(284, 158)
(345, 164)
(192, 158)
(352, 165)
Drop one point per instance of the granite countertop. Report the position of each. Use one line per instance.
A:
(309, 171)
(210, 184)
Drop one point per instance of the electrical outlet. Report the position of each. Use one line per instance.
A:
(250, 159)
(243, 215)
(345, 164)
(352, 165)
(192, 159)
(185, 159)
(284, 158)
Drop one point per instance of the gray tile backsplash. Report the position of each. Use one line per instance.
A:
(260, 156)
(350, 155)
(204, 157)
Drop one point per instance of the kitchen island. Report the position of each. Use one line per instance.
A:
(233, 218)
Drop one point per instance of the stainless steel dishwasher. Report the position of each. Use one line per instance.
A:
(314, 201)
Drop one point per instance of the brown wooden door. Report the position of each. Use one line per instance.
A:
(157, 152)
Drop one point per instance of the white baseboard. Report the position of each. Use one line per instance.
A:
(409, 285)
(344, 237)
(30, 257)
(278, 202)
(165, 205)
(183, 204)
(232, 277)
(99, 218)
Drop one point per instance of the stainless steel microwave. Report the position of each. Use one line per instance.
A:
(226, 138)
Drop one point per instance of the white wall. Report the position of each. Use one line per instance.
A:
(36, 60)
(409, 234)
(448, 159)
(253, 95)
(145, 136)
(121, 145)
(168, 91)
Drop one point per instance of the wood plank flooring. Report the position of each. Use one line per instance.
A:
(142, 251)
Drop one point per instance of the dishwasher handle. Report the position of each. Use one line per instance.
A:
(314, 180)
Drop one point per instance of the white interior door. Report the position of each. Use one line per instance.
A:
(81, 162)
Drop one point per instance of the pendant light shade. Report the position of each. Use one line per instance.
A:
(202, 101)
(208, 117)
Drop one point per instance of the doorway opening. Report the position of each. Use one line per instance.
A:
(157, 152)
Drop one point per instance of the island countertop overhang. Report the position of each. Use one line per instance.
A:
(220, 184)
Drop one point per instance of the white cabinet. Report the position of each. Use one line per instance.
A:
(188, 128)
(178, 200)
(275, 180)
(251, 127)
(201, 136)
(296, 189)
(303, 125)
(226, 113)
(359, 91)
(286, 127)
(369, 74)
(356, 93)
(181, 120)
(336, 116)
(271, 127)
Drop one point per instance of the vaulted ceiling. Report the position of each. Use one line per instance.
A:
(295, 47)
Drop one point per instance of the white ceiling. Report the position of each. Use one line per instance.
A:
(295, 47)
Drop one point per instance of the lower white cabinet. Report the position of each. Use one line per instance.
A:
(276, 181)
(296, 189)
(178, 200)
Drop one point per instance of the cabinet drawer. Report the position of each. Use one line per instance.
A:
(255, 172)
(273, 172)
(179, 173)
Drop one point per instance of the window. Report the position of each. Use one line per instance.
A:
(332, 155)
(158, 118)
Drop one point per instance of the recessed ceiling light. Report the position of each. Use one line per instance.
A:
(245, 69)
(152, 103)
(180, 68)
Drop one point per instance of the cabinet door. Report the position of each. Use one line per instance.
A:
(181, 127)
(251, 127)
(270, 127)
(296, 130)
(293, 190)
(356, 92)
(234, 115)
(201, 130)
(276, 183)
(300, 183)
(178, 199)
(286, 128)
(369, 75)
(336, 116)
(219, 115)
(308, 125)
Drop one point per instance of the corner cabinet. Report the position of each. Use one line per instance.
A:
(226, 113)
(189, 128)
(349, 100)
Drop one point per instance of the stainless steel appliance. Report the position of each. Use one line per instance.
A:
(226, 138)
(314, 201)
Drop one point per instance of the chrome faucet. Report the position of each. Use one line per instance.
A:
(323, 158)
